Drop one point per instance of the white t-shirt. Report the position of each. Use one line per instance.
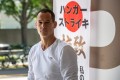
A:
(57, 62)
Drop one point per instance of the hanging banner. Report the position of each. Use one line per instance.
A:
(73, 18)
(105, 40)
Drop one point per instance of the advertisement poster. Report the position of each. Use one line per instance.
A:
(73, 27)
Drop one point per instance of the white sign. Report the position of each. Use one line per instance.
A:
(73, 18)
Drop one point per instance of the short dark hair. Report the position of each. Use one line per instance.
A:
(50, 11)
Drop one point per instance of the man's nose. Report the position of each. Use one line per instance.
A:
(43, 25)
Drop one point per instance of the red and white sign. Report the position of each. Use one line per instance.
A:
(73, 18)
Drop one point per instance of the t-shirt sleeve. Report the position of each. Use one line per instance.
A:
(68, 63)
(30, 68)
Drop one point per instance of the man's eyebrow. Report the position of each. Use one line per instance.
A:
(45, 20)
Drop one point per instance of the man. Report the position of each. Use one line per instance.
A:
(51, 58)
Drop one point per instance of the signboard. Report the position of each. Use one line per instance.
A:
(73, 18)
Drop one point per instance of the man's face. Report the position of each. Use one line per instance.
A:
(45, 25)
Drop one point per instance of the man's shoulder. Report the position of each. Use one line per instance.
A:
(34, 47)
(61, 43)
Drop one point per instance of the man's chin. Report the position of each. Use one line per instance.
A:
(44, 35)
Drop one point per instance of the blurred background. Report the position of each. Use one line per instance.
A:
(17, 35)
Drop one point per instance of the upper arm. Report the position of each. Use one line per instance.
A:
(68, 63)
(30, 67)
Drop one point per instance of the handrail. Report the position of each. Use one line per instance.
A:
(9, 57)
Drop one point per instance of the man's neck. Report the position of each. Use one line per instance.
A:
(45, 43)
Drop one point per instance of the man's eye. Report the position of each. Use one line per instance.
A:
(40, 22)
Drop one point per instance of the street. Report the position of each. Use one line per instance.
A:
(14, 74)
(15, 78)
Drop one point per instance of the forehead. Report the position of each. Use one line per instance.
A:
(44, 16)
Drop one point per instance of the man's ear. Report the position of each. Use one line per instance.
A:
(35, 24)
(55, 24)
